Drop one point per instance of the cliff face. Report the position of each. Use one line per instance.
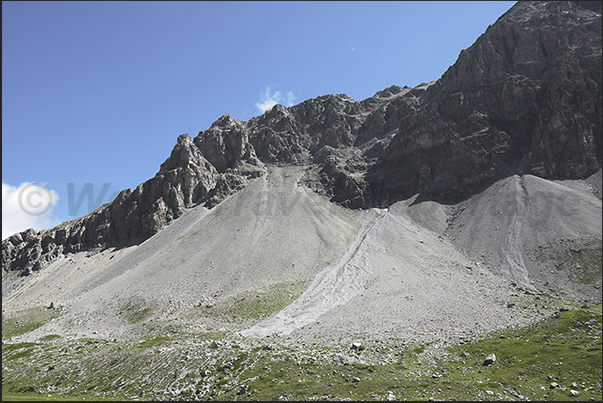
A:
(185, 179)
(526, 98)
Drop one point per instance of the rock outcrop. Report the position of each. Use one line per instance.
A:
(184, 180)
(526, 98)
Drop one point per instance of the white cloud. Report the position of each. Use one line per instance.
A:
(27, 206)
(267, 100)
(266, 105)
(290, 98)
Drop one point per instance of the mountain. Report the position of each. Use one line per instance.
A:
(336, 217)
(524, 99)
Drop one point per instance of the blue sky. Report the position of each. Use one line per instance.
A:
(98, 92)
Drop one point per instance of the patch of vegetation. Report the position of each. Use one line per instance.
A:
(584, 262)
(27, 320)
(23, 351)
(418, 350)
(256, 305)
(580, 258)
(50, 337)
(564, 349)
(155, 341)
(211, 335)
(11, 347)
(371, 282)
(543, 362)
(134, 311)
(30, 396)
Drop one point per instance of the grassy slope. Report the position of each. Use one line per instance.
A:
(27, 320)
(565, 348)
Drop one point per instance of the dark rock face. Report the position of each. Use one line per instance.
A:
(184, 180)
(526, 98)
(226, 145)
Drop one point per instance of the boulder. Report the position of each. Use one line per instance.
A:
(490, 359)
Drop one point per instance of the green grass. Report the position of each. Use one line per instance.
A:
(580, 258)
(254, 305)
(563, 350)
(34, 396)
(527, 361)
(50, 337)
(27, 320)
(134, 311)
(584, 262)
(220, 366)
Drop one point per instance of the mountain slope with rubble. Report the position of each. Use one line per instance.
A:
(436, 242)
(419, 213)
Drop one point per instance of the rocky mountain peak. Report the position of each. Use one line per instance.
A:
(226, 144)
(225, 121)
(525, 98)
(390, 91)
(185, 153)
(529, 40)
(276, 110)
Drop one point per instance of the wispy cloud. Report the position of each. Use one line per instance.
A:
(29, 205)
(267, 100)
